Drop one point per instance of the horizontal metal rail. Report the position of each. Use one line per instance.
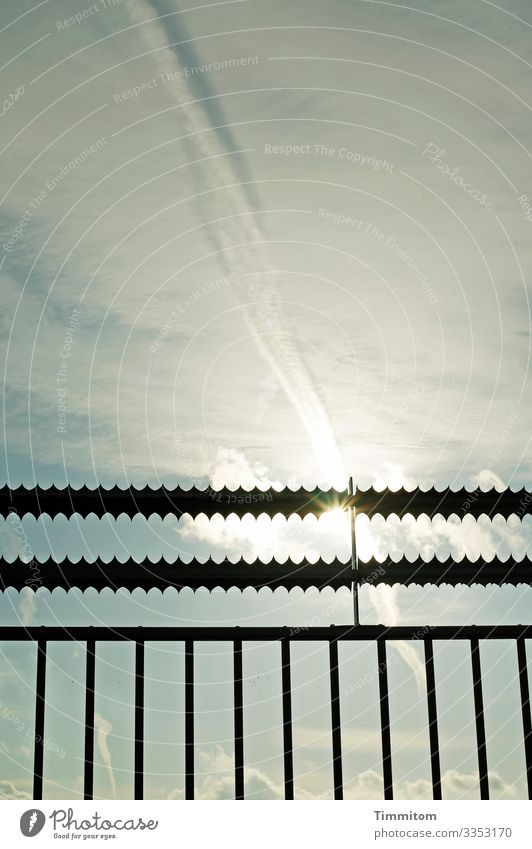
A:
(240, 574)
(296, 633)
(284, 638)
(163, 501)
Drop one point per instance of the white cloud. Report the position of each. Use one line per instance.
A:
(27, 606)
(104, 728)
(215, 780)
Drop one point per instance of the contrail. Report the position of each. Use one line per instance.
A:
(104, 727)
(384, 601)
(262, 302)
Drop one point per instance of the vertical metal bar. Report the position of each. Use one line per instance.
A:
(139, 719)
(287, 720)
(88, 780)
(239, 720)
(189, 719)
(336, 725)
(525, 710)
(479, 719)
(40, 693)
(433, 721)
(354, 556)
(385, 719)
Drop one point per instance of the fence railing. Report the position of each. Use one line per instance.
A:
(284, 637)
(210, 574)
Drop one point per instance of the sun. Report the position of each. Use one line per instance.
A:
(336, 521)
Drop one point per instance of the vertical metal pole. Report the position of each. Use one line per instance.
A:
(385, 719)
(139, 720)
(189, 719)
(287, 720)
(40, 694)
(433, 721)
(239, 720)
(88, 781)
(336, 725)
(525, 710)
(354, 556)
(479, 718)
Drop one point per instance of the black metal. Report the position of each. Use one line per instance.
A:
(239, 720)
(433, 721)
(385, 719)
(88, 777)
(113, 633)
(189, 719)
(479, 720)
(139, 719)
(287, 720)
(40, 703)
(355, 573)
(225, 502)
(285, 635)
(241, 574)
(335, 721)
(525, 710)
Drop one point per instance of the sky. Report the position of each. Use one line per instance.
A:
(258, 243)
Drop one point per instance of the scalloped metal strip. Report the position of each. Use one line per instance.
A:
(147, 575)
(225, 502)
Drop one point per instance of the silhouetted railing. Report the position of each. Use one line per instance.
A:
(224, 502)
(225, 574)
(210, 574)
(284, 637)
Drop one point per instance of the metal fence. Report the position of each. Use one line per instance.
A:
(335, 574)
(284, 637)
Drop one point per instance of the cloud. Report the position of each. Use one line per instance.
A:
(27, 606)
(257, 280)
(367, 785)
(215, 780)
(231, 468)
(104, 728)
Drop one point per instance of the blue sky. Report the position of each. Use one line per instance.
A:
(264, 243)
